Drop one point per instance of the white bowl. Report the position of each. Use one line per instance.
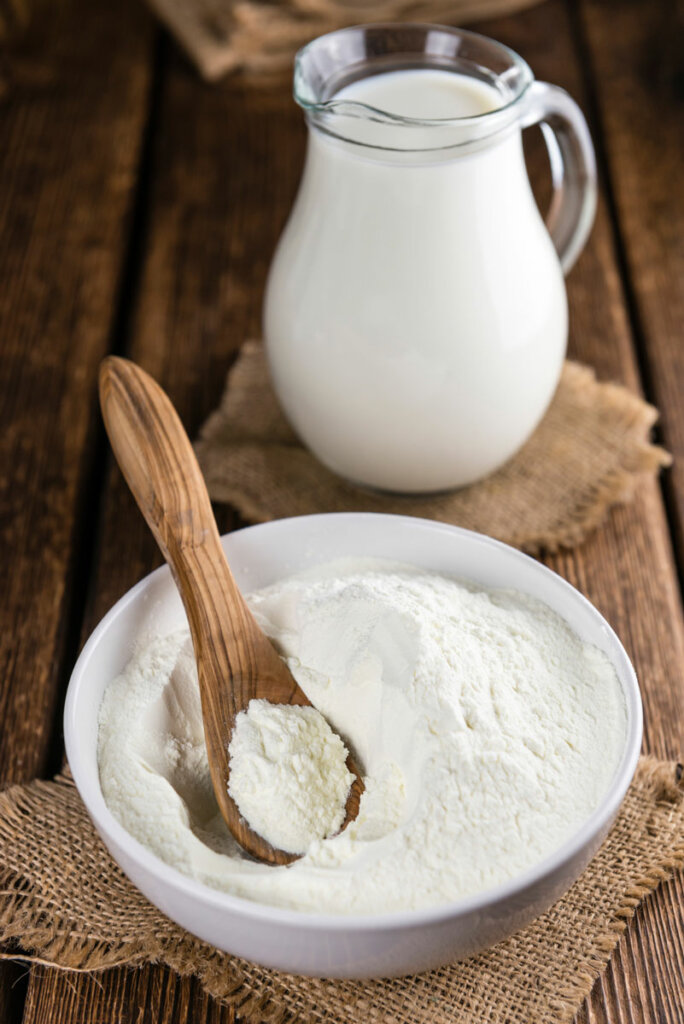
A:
(327, 945)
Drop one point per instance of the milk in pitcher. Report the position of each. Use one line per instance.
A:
(415, 316)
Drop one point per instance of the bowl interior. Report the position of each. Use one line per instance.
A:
(262, 554)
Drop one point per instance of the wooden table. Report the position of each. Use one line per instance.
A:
(139, 209)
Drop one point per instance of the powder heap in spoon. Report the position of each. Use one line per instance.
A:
(288, 774)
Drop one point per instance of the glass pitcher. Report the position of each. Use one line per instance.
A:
(415, 315)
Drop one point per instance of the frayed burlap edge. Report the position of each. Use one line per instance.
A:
(666, 782)
(618, 487)
(587, 455)
(50, 936)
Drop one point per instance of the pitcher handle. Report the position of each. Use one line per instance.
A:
(573, 167)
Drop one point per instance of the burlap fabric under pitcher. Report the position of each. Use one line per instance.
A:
(584, 457)
(66, 903)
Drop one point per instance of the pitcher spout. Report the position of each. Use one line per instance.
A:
(331, 64)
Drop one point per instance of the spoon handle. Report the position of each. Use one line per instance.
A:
(160, 467)
(162, 472)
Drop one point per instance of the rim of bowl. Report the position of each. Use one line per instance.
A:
(91, 793)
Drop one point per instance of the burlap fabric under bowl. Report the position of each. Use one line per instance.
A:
(585, 456)
(64, 901)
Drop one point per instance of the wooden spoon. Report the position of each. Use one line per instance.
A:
(236, 661)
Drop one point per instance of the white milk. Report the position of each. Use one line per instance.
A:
(425, 94)
(415, 315)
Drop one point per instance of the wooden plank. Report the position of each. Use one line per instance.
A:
(70, 144)
(71, 140)
(122, 997)
(634, 53)
(227, 164)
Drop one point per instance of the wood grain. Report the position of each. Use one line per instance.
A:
(635, 56)
(226, 167)
(68, 167)
(62, 240)
(142, 996)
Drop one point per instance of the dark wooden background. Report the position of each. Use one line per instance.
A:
(139, 208)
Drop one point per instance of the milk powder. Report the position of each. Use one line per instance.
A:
(487, 731)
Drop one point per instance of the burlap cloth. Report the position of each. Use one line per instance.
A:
(64, 901)
(585, 456)
(261, 36)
